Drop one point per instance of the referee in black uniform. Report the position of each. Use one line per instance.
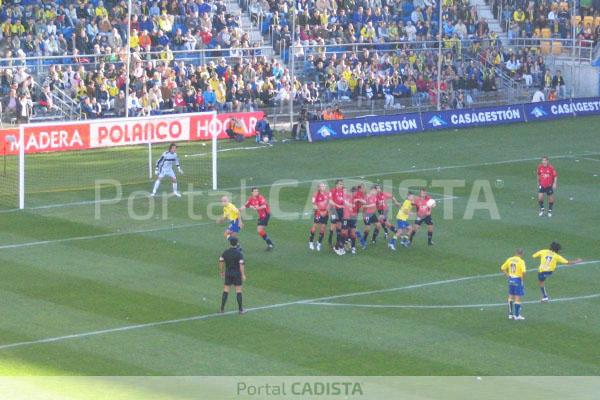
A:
(231, 266)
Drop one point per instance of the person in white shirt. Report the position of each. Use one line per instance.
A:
(513, 64)
(411, 32)
(538, 96)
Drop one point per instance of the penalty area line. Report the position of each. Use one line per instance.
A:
(101, 236)
(251, 310)
(449, 306)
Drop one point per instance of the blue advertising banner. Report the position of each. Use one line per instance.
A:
(409, 123)
(547, 110)
(586, 106)
(377, 125)
(473, 117)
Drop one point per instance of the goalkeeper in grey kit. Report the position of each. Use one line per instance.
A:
(164, 167)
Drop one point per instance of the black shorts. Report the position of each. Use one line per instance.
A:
(427, 220)
(320, 219)
(548, 190)
(337, 215)
(370, 219)
(382, 214)
(233, 279)
(349, 223)
(264, 221)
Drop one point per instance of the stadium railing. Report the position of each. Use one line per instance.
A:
(578, 52)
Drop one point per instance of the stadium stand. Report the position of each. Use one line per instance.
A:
(67, 58)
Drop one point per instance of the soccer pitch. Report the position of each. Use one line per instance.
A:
(83, 295)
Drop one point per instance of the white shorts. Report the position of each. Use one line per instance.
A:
(164, 173)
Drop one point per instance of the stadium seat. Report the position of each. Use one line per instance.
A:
(575, 20)
(556, 48)
(546, 33)
(589, 20)
(597, 21)
(545, 47)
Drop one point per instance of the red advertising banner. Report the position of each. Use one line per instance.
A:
(100, 133)
(131, 131)
(203, 125)
(8, 141)
(49, 138)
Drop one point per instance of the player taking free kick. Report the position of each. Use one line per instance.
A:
(548, 260)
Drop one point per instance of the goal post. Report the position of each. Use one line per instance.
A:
(62, 162)
(21, 167)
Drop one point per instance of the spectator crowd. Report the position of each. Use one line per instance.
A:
(535, 19)
(343, 49)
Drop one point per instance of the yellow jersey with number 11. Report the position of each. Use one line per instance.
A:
(549, 259)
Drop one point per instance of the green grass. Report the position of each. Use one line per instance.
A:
(120, 271)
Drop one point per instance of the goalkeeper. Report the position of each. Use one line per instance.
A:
(164, 167)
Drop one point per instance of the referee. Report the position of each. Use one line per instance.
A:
(231, 267)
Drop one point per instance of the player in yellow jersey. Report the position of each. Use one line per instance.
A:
(402, 226)
(549, 258)
(514, 268)
(231, 214)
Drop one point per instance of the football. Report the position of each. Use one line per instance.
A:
(431, 203)
(265, 139)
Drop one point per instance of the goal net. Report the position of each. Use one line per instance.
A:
(70, 163)
(59, 164)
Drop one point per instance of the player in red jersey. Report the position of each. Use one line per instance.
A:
(423, 215)
(382, 211)
(547, 179)
(257, 202)
(370, 217)
(354, 203)
(336, 203)
(320, 203)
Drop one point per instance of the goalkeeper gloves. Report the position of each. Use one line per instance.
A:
(156, 171)
(180, 170)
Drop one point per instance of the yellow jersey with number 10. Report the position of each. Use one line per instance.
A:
(514, 266)
(549, 259)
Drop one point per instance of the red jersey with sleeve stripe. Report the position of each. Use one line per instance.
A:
(357, 201)
(421, 204)
(371, 205)
(259, 201)
(336, 195)
(546, 175)
(320, 201)
(382, 198)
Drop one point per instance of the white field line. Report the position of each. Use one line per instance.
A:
(100, 236)
(265, 146)
(590, 159)
(287, 183)
(253, 309)
(415, 170)
(449, 306)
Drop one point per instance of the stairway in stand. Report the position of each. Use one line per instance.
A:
(485, 12)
